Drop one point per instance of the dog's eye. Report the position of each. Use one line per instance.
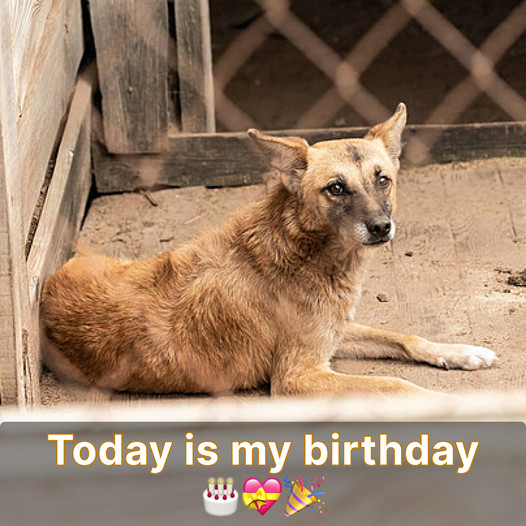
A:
(383, 182)
(336, 189)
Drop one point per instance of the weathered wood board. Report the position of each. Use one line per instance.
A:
(194, 54)
(48, 94)
(229, 159)
(57, 230)
(16, 343)
(131, 38)
(66, 198)
(74, 37)
(36, 82)
(28, 19)
(10, 240)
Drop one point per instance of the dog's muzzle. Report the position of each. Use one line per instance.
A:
(380, 231)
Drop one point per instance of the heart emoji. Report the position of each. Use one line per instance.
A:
(261, 496)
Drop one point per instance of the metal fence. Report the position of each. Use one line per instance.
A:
(346, 74)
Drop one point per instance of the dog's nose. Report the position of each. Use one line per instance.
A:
(379, 227)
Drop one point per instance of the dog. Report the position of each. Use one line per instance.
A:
(267, 298)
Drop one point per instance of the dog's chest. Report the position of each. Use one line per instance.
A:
(325, 311)
(342, 297)
(354, 303)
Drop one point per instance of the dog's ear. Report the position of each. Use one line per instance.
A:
(390, 132)
(287, 155)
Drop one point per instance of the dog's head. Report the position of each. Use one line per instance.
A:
(346, 186)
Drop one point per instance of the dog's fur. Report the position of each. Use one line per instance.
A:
(268, 297)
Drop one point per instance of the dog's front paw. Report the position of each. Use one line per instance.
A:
(467, 357)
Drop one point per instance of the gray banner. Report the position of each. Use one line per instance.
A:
(34, 490)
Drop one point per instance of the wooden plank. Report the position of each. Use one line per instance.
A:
(74, 34)
(483, 405)
(465, 142)
(429, 284)
(513, 183)
(48, 95)
(216, 160)
(65, 201)
(131, 37)
(229, 159)
(11, 349)
(28, 19)
(66, 198)
(18, 371)
(194, 65)
(429, 241)
(482, 234)
(484, 240)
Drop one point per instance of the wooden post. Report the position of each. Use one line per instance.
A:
(194, 65)
(18, 353)
(131, 38)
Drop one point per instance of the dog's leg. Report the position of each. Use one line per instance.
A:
(324, 382)
(301, 373)
(364, 342)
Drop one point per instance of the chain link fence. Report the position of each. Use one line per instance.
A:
(345, 75)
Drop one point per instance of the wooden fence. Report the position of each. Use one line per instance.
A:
(44, 170)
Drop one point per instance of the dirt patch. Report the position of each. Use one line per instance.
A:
(459, 228)
(518, 280)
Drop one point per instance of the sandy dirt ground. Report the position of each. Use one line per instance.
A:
(461, 236)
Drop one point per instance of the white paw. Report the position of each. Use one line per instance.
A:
(467, 357)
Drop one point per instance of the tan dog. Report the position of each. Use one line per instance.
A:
(268, 297)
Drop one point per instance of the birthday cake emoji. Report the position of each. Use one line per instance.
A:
(220, 498)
